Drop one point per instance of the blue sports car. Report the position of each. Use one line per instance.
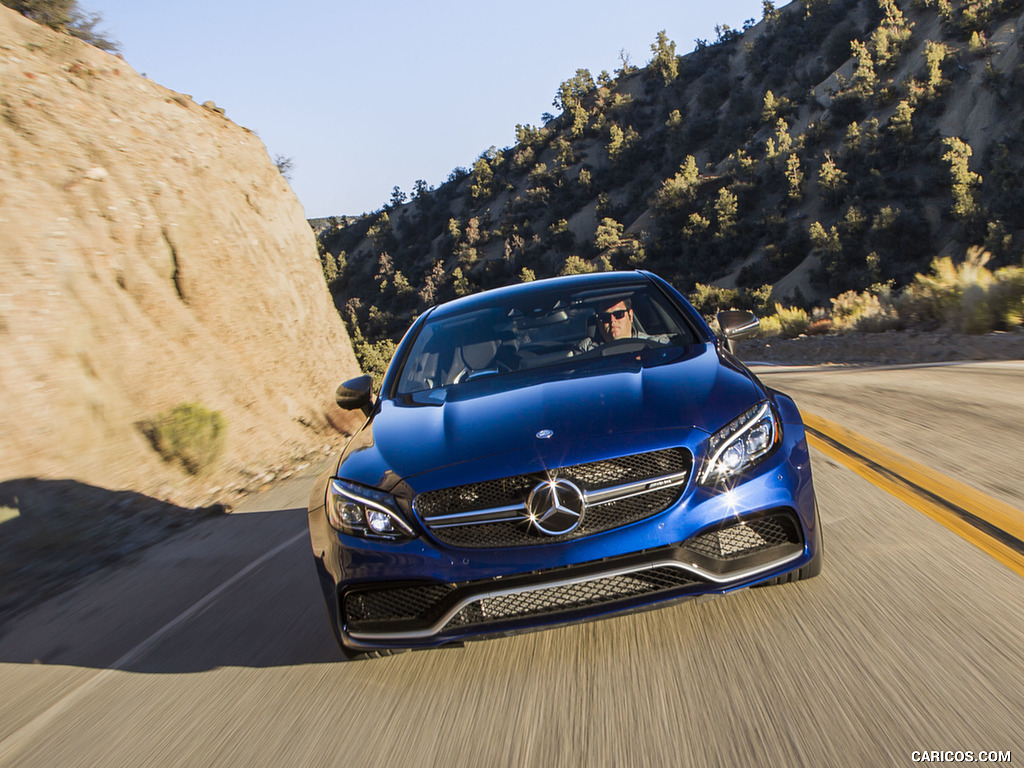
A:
(555, 451)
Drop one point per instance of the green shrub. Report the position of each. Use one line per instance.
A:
(374, 357)
(576, 265)
(977, 312)
(867, 311)
(965, 297)
(709, 299)
(936, 298)
(1008, 295)
(792, 320)
(608, 235)
(1014, 317)
(770, 327)
(188, 434)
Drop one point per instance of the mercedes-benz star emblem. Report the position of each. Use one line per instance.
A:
(555, 507)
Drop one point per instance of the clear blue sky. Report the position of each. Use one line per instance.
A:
(365, 96)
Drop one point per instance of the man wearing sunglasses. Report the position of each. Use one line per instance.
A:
(615, 322)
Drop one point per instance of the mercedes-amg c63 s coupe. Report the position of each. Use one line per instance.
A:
(556, 451)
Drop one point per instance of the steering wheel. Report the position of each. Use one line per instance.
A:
(623, 346)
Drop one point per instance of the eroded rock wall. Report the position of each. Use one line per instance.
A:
(150, 254)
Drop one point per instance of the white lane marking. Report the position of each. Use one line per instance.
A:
(18, 740)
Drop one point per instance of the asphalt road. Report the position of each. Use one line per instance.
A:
(213, 649)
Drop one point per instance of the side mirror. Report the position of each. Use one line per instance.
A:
(736, 325)
(356, 394)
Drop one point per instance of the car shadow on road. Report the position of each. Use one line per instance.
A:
(115, 579)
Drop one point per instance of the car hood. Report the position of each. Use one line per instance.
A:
(664, 390)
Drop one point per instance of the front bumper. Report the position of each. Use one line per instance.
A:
(729, 555)
(422, 593)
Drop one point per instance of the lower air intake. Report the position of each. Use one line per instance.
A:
(746, 537)
(546, 600)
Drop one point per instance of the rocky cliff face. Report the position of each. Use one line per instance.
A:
(151, 254)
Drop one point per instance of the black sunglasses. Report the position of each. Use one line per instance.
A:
(606, 317)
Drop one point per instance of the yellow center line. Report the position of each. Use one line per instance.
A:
(991, 525)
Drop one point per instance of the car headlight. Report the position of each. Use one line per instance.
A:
(360, 511)
(740, 444)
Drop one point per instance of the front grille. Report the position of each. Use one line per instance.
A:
(597, 519)
(547, 600)
(506, 491)
(514, 491)
(746, 537)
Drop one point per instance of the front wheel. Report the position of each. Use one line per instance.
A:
(353, 655)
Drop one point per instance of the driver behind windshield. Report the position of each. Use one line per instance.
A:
(615, 322)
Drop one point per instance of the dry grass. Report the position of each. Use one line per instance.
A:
(965, 297)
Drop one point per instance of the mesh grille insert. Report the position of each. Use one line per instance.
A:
(413, 603)
(746, 538)
(511, 491)
(569, 596)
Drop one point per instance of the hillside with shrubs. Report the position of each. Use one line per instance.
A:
(833, 166)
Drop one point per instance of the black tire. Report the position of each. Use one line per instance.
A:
(380, 653)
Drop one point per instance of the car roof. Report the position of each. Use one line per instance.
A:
(520, 291)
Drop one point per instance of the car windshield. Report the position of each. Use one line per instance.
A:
(531, 330)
